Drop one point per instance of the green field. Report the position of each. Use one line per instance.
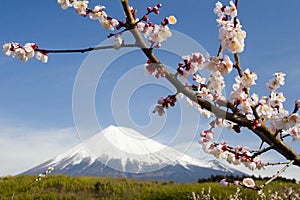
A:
(65, 187)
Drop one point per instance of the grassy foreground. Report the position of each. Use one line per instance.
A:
(65, 187)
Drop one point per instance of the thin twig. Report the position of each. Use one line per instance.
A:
(82, 50)
(276, 163)
(220, 50)
(276, 175)
(261, 151)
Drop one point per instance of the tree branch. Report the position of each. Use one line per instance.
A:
(82, 50)
(262, 131)
(276, 175)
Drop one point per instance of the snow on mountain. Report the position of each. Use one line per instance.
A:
(119, 151)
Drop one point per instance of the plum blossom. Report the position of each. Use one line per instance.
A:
(118, 42)
(224, 183)
(248, 182)
(274, 84)
(276, 100)
(64, 4)
(264, 111)
(108, 23)
(9, 48)
(164, 103)
(42, 56)
(172, 20)
(29, 49)
(217, 82)
(199, 79)
(247, 80)
(193, 63)
(81, 7)
(206, 136)
(295, 132)
(284, 120)
(20, 52)
(236, 183)
(224, 65)
(159, 34)
(204, 112)
(98, 13)
(221, 10)
(155, 33)
(234, 156)
(23, 52)
(231, 10)
(232, 36)
(159, 109)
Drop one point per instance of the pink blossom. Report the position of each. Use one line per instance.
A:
(237, 183)
(224, 183)
(159, 109)
(295, 133)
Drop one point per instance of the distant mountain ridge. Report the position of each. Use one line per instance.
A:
(123, 152)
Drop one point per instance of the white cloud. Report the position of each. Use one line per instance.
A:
(24, 147)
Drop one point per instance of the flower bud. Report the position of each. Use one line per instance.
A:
(161, 100)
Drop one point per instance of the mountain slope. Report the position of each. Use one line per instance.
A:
(123, 152)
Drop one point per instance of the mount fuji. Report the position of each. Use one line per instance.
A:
(123, 152)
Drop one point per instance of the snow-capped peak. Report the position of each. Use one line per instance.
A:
(126, 150)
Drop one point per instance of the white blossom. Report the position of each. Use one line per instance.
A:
(248, 182)
(64, 4)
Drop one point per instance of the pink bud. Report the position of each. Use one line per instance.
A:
(155, 10)
(161, 100)
(224, 183)
(145, 18)
(236, 183)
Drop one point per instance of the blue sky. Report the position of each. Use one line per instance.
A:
(36, 117)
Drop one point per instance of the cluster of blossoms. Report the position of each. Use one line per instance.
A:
(247, 182)
(154, 69)
(48, 171)
(155, 33)
(24, 52)
(164, 103)
(192, 64)
(210, 88)
(236, 156)
(271, 108)
(240, 97)
(97, 13)
(231, 34)
(259, 111)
